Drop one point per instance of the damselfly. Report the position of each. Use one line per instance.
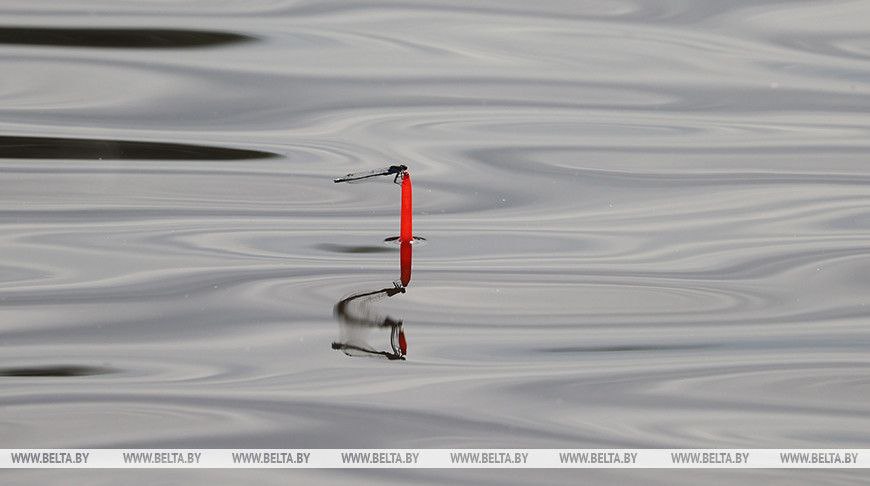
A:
(393, 169)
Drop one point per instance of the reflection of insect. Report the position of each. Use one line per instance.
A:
(357, 319)
(393, 169)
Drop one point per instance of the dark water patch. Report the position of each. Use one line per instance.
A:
(336, 248)
(12, 147)
(118, 38)
(55, 371)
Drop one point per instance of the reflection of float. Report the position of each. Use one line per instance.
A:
(405, 263)
(357, 320)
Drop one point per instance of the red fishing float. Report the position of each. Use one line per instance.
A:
(405, 233)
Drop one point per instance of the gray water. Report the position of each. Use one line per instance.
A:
(646, 225)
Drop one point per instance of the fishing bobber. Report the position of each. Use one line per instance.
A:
(406, 234)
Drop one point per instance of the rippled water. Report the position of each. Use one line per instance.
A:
(647, 226)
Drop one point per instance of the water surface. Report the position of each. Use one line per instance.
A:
(647, 226)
